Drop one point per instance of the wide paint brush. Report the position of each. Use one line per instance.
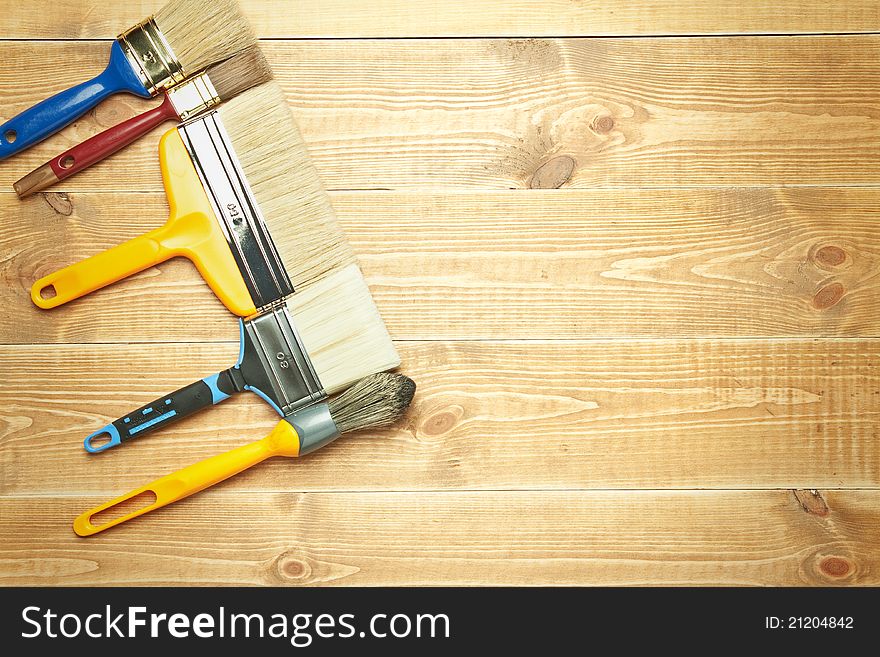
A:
(247, 207)
(319, 341)
(181, 39)
(376, 401)
(196, 95)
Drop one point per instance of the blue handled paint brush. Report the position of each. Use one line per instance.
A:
(181, 39)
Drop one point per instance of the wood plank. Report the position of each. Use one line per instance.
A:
(72, 19)
(507, 415)
(511, 113)
(611, 538)
(531, 264)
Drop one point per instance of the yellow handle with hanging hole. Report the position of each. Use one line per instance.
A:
(282, 441)
(192, 231)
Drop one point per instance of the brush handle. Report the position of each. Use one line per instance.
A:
(192, 230)
(283, 441)
(101, 270)
(49, 116)
(104, 144)
(162, 412)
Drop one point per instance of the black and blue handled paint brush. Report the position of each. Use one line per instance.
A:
(181, 39)
(321, 340)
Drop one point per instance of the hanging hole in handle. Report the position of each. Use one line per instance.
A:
(67, 161)
(48, 292)
(100, 441)
(10, 136)
(124, 508)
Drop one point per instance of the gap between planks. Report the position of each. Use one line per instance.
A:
(464, 18)
(671, 35)
(477, 491)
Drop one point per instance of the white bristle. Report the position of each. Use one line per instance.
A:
(285, 184)
(341, 329)
(203, 33)
(337, 319)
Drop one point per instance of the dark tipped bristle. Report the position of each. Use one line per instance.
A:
(203, 33)
(239, 73)
(375, 401)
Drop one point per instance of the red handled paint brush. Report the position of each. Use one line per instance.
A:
(181, 39)
(213, 86)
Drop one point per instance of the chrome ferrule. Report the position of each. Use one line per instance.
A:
(236, 209)
(195, 96)
(276, 363)
(151, 57)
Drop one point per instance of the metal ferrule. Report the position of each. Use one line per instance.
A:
(193, 97)
(315, 427)
(277, 362)
(151, 57)
(236, 208)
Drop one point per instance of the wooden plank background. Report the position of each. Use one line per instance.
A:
(636, 280)
(89, 19)
(500, 114)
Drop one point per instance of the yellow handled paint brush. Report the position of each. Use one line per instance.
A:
(246, 206)
(376, 401)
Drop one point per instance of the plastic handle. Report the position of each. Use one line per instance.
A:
(49, 116)
(114, 139)
(162, 412)
(192, 230)
(283, 441)
(101, 270)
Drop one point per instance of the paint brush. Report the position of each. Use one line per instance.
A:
(181, 39)
(215, 85)
(247, 207)
(320, 341)
(376, 401)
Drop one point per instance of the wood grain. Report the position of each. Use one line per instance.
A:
(508, 415)
(609, 537)
(539, 264)
(491, 113)
(635, 279)
(402, 18)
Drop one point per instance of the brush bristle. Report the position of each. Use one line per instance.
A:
(202, 33)
(285, 184)
(239, 73)
(332, 307)
(341, 329)
(375, 401)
